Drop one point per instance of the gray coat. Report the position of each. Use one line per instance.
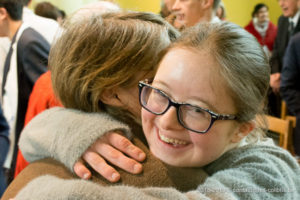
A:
(256, 171)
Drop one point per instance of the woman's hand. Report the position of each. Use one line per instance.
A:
(110, 147)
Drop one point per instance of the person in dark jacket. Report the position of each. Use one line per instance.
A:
(290, 85)
(26, 60)
(288, 25)
(4, 144)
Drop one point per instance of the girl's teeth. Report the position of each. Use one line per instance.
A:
(171, 140)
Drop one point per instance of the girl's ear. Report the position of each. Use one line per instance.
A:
(110, 97)
(244, 129)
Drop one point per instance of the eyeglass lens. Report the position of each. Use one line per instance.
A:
(189, 116)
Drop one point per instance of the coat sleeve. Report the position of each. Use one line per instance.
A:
(290, 83)
(4, 141)
(262, 172)
(50, 187)
(254, 172)
(65, 134)
(275, 60)
(34, 54)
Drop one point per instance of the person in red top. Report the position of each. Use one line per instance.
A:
(261, 27)
(41, 98)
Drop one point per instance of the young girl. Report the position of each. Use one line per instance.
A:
(199, 111)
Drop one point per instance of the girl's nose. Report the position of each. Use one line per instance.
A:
(169, 120)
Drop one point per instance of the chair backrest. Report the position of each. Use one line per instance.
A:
(283, 110)
(284, 114)
(284, 128)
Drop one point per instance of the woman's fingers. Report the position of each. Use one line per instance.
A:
(124, 145)
(112, 148)
(117, 158)
(100, 165)
(81, 170)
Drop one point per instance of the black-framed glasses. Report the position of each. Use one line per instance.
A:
(191, 117)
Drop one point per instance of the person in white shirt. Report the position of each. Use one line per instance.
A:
(26, 60)
(46, 27)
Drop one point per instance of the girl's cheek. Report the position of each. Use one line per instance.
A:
(147, 116)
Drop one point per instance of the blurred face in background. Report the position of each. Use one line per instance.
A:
(188, 12)
(3, 22)
(289, 7)
(262, 15)
(169, 4)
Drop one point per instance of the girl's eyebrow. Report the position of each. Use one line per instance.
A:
(209, 105)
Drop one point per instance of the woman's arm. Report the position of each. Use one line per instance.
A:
(65, 135)
(250, 172)
(50, 187)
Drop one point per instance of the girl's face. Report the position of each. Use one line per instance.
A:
(190, 76)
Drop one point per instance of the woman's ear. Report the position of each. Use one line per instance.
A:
(244, 129)
(110, 97)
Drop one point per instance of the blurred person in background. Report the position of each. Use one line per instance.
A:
(261, 27)
(290, 86)
(4, 145)
(221, 11)
(191, 12)
(26, 60)
(46, 27)
(166, 13)
(166, 7)
(288, 25)
(48, 10)
(63, 16)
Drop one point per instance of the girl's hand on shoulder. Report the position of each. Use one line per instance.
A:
(114, 148)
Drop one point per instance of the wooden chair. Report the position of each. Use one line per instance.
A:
(285, 116)
(281, 126)
(292, 119)
(284, 128)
